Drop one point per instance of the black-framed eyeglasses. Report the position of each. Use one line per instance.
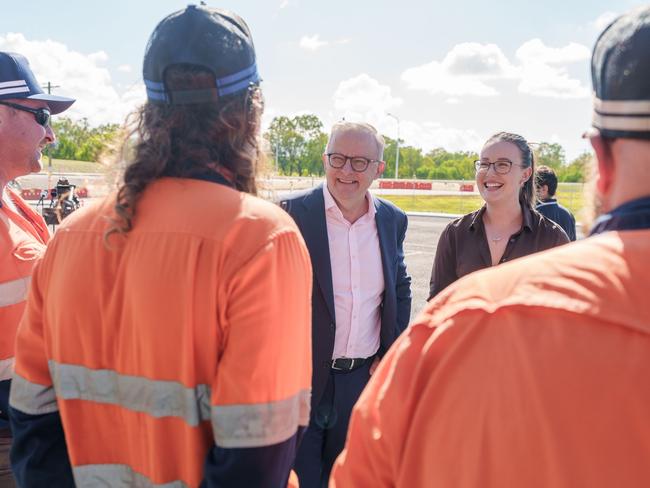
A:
(42, 115)
(501, 166)
(358, 163)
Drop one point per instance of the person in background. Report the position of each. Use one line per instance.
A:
(25, 112)
(361, 297)
(166, 339)
(534, 373)
(546, 186)
(506, 227)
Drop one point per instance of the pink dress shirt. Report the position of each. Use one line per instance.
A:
(357, 280)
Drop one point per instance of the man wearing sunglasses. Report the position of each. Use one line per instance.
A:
(24, 131)
(361, 297)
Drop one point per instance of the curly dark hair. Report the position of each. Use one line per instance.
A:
(186, 140)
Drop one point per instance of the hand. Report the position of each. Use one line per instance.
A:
(374, 365)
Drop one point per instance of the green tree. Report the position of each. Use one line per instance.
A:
(578, 170)
(298, 144)
(550, 154)
(76, 139)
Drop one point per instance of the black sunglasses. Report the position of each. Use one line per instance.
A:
(42, 115)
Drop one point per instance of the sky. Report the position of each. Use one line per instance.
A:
(450, 73)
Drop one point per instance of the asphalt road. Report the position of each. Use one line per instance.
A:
(419, 250)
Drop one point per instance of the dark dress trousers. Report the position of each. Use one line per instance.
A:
(308, 210)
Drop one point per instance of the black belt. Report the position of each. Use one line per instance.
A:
(348, 364)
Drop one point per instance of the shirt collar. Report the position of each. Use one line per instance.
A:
(527, 222)
(331, 203)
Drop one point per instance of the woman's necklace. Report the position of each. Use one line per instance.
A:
(496, 239)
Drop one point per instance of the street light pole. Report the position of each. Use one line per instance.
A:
(397, 146)
(49, 87)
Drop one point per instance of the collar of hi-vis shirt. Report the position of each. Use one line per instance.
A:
(357, 280)
(26, 218)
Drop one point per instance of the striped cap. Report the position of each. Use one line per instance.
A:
(211, 38)
(620, 72)
(17, 81)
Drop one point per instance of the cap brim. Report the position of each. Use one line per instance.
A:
(591, 132)
(55, 103)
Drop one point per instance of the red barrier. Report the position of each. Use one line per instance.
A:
(467, 187)
(35, 193)
(404, 185)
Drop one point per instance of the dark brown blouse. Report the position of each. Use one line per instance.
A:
(463, 247)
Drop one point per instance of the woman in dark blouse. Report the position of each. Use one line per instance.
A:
(506, 227)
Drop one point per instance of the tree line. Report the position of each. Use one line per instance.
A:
(78, 140)
(297, 143)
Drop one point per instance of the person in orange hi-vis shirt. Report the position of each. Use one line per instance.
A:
(25, 130)
(534, 374)
(166, 339)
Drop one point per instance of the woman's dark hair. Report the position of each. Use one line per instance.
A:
(527, 192)
(186, 140)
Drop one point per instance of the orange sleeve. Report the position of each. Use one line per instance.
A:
(381, 418)
(32, 391)
(264, 372)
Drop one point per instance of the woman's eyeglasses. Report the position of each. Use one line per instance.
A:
(502, 166)
(42, 115)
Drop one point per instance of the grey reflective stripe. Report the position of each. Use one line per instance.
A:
(260, 424)
(14, 291)
(31, 398)
(154, 397)
(6, 369)
(116, 476)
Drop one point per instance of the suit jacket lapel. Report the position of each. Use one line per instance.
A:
(315, 235)
(383, 233)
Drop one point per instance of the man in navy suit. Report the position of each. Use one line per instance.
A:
(361, 298)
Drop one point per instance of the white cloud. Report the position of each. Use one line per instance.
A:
(463, 71)
(544, 70)
(364, 98)
(430, 135)
(604, 20)
(80, 76)
(125, 68)
(284, 4)
(312, 43)
(472, 68)
(535, 51)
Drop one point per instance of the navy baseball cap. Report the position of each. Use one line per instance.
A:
(17, 81)
(214, 39)
(620, 72)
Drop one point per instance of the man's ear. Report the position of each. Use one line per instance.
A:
(606, 166)
(380, 168)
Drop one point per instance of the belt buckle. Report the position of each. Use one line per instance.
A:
(335, 368)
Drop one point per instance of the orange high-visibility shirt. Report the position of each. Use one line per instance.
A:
(532, 374)
(23, 236)
(191, 331)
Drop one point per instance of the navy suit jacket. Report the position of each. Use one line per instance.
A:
(308, 210)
